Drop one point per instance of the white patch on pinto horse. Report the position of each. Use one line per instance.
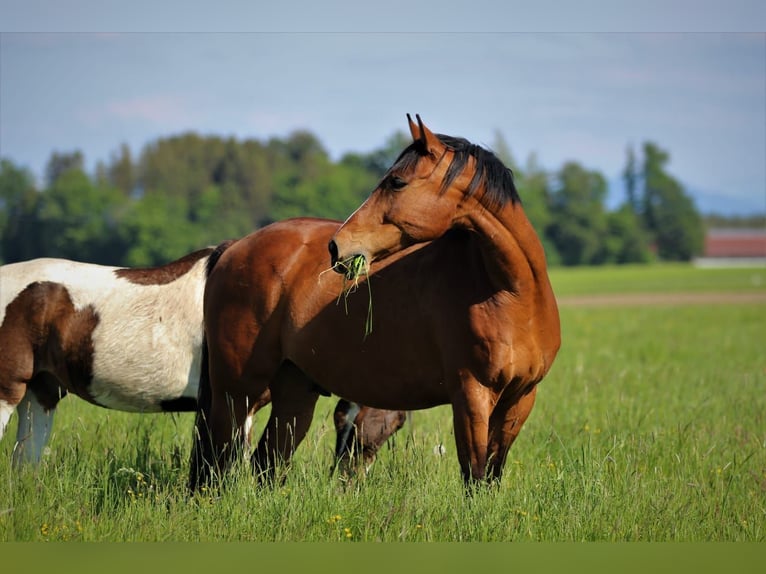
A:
(160, 347)
(6, 410)
(34, 430)
(147, 343)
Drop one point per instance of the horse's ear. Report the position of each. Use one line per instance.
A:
(414, 129)
(430, 142)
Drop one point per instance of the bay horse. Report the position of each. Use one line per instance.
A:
(121, 338)
(462, 309)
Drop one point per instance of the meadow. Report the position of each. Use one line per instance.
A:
(651, 426)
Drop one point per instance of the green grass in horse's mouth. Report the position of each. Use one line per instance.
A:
(354, 268)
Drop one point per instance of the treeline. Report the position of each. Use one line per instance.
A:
(754, 221)
(188, 191)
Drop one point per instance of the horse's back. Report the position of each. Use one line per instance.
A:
(79, 278)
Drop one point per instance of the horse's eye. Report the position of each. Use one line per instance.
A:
(396, 183)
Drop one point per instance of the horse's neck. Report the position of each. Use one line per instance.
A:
(515, 261)
(512, 251)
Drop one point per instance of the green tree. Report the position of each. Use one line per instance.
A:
(311, 185)
(121, 172)
(680, 233)
(333, 194)
(534, 188)
(626, 240)
(221, 213)
(630, 177)
(78, 220)
(247, 181)
(18, 213)
(578, 220)
(157, 230)
(669, 214)
(60, 163)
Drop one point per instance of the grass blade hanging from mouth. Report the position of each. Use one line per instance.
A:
(353, 269)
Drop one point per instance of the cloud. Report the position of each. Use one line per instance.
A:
(161, 111)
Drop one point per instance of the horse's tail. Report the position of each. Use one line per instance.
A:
(215, 255)
(199, 467)
(203, 393)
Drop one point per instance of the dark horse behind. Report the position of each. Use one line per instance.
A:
(463, 312)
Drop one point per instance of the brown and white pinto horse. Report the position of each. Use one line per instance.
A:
(125, 339)
(463, 312)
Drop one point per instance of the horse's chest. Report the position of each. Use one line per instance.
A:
(502, 346)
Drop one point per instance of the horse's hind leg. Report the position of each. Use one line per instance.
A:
(34, 430)
(219, 437)
(293, 398)
(16, 369)
(36, 412)
(222, 426)
(504, 426)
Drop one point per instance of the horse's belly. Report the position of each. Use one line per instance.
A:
(377, 380)
(145, 382)
(143, 364)
(142, 394)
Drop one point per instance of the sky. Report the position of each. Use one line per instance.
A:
(563, 85)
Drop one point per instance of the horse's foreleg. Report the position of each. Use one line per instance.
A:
(34, 430)
(293, 398)
(470, 414)
(506, 421)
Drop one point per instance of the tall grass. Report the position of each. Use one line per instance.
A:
(650, 427)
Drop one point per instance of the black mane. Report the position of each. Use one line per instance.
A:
(497, 179)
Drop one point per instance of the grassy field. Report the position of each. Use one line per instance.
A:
(650, 427)
(667, 278)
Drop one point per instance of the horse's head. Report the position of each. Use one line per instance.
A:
(434, 183)
(406, 207)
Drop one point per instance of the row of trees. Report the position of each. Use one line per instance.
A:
(187, 191)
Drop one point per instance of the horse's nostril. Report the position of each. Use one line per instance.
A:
(333, 248)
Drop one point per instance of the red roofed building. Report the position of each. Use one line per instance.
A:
(734, 246)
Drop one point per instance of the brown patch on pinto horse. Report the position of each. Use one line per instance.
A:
(165, 274)
(43, 333)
